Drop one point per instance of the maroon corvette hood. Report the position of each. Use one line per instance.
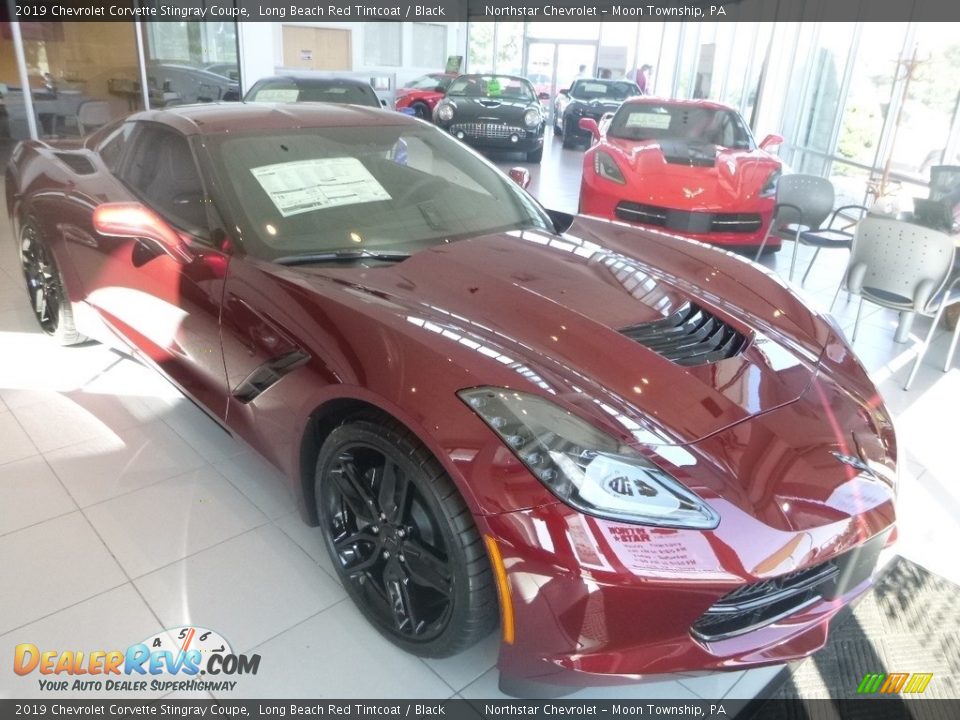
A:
(684, 176)
(558, 306)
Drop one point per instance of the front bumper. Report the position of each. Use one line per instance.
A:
(496, 136)
(748, 222)
(611, 603)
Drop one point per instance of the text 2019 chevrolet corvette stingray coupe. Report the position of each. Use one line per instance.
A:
(639, 457)
(689, 167)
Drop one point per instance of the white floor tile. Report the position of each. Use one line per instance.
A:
(208, 438)
(30, 493)
(85, 627)
(249, 588)
(753, 681)
(348, 659)
(16, 444)
(261, 482)
(712, 686)
(308, 538)
(171, 519)
(97, 470)
(50, 566)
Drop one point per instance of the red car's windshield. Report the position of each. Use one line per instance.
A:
(389, 188)
(437, 83)
(687, 123)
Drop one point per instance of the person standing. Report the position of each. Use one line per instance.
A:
(643, 79)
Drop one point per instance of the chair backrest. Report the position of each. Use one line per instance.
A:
(899, 264)
(812, 194)
(94, 113)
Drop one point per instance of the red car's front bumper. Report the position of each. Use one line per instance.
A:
(601, 198)
(589, 607)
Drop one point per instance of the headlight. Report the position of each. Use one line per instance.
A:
(583, 466)
(445, 112)
(606, 167)
(769, 188)
(531, 118)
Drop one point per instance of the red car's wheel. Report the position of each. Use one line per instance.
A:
(402, 539)
(422, 110)
(45, 288)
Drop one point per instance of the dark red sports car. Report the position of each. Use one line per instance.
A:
(689, 167)
(637, 457)
(423, 94)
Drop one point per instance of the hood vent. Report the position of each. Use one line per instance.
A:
(690, 336)
(690, 153)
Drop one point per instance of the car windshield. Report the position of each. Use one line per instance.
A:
(491, 86)
(430, 82)
(334, 92)
(401, 189)
(687, 123)
(599, 90)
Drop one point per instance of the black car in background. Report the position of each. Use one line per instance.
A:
(294, 88)
(589, 98)
(499, 112)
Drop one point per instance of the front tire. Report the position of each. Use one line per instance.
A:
(48, 299)
(402, 539)
(421, 110)
(569, 136)
(535, 156)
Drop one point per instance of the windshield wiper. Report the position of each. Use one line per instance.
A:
(338, 256)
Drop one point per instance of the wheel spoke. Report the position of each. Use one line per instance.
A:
(401, 601)
(349, 481)
(393, 491)
(425, 567)
(352, 539)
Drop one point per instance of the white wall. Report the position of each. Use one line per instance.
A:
(261, 49)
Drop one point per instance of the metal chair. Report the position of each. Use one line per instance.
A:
(93, 114)
(904, 267)
(803, 203)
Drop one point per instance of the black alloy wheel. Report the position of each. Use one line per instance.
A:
(48, 299)
(404, 545)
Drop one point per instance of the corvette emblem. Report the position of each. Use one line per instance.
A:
(688, 193)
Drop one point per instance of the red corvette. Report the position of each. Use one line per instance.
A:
(423, 94)
(638, 457)
(690, 167)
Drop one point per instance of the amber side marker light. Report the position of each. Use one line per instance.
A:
(503, 589)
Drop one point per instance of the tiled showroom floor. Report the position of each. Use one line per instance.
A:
(123, 510)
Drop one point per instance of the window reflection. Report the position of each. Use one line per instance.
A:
(190, 62)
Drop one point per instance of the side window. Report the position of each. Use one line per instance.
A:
(160, 168)
(111, 149)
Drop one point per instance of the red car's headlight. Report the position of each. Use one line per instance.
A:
(606, 167)
(583, 466)
(769, 188)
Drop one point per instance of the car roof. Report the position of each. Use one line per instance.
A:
(652, 100)
(217, 118)
(312, 80)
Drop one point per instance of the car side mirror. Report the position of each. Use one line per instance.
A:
(520, 175)
(543, 96)
(590, 125)
(134, 220)
(771, 140)
(565, 91)
(383, 103)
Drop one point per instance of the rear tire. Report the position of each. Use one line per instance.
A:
(45, 289)
(402, 539)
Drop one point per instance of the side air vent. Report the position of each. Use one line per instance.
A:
(78, 163)
(267, 374)
(690, 336)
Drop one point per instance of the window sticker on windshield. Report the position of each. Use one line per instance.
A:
(306, 185)
(593, 88)
(280, 95)
(656, 121)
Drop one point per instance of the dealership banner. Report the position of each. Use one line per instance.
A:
(837, 709)
(483, 10)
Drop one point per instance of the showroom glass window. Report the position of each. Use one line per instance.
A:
(190, 62)
(431, 43)
(382, 43)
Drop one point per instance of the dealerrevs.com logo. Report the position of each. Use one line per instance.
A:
(181, 659)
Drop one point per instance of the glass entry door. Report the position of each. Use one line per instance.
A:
(554, 65)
